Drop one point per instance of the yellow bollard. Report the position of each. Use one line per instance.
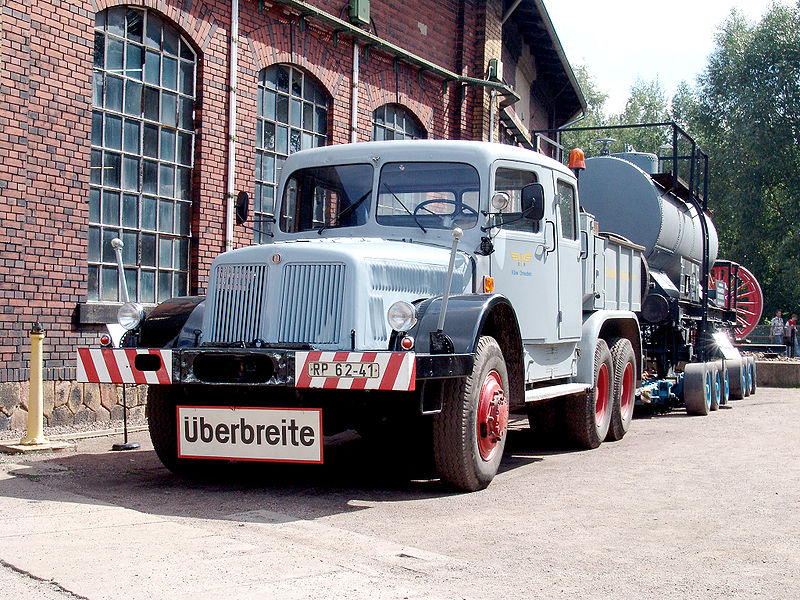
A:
(35, 434)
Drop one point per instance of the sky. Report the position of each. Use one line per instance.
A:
(621, 40)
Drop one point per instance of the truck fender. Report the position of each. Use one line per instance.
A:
(607, 324)
(463, 323)
(174, 323)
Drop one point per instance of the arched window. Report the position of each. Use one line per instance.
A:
(142, 155)
(292, 116)
(395, 122)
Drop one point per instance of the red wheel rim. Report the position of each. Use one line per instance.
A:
(601, 395)
(492, 415)
(748, 296)
(626, 401)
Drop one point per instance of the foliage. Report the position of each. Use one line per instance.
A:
(746, 113)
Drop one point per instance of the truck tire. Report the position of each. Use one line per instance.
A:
(624, 398)
(469, 434)
(747, 384)
(725, 380)
(737, 377)
(752, 374)
(589, 415)
(162, 401)
(716, 384)
(697, 389)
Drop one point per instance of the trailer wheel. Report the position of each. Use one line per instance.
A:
(716, 385)
(589, 415)
(724, 376)
(738, 378)
(624, 398)
(469, 434)
(751, 374)
(697, 389)
(747, 376)
(162, 401)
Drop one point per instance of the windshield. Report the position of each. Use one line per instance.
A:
(434, 195)
(326, 197)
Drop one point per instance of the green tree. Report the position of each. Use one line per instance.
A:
(595, 114)
(746, 113)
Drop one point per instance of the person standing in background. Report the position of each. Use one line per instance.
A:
(776, 328)
(793, 342)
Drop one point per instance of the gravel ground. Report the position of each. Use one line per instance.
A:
(89, 429)
(683, 507)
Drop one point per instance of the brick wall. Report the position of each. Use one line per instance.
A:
(45, 130)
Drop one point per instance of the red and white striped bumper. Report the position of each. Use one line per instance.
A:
(118, 365)
(397, 370)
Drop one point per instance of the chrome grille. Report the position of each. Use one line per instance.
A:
(312, 302)
(237, 294)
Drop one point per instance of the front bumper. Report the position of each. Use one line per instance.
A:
(398, 371)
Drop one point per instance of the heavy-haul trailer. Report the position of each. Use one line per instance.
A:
(426, 288)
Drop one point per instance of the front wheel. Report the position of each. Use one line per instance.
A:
(469, 434)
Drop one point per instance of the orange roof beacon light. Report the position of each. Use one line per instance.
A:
(577, 160)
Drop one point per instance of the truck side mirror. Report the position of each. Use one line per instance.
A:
(533, 201)
(242, 207)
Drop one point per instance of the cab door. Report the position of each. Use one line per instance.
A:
(524, 269)
(569, 256)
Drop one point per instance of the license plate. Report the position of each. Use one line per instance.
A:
(360, 370)
(253, 434)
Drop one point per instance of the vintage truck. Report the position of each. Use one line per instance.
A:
(423, 288)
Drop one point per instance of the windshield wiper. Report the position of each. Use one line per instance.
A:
(346, 211)
(400, 202)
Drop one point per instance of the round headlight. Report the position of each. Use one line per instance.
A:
(130, 315)
(402, 316)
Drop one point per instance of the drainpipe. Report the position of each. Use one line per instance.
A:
(230, 192)
(492, 94)
(354, 107)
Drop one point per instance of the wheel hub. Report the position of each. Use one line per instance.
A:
(492, 415)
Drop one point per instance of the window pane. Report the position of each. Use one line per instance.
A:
(106, 249)
(168, 145)
(130, 282)
(282, 108)
(183, 184)
(148, 289)
(152, 68)
(294, 141)
(170, 41)
(282, 140)
(130, 142)
(269, 104)
(94, 243)
(99, 49)
(268, 168)
(92, 282)
(148, 213)
(169, 73)
(135, 25)
(149, 249)
(181, 286)
(165, 215)
(166, 180)
(94, 205)
(322, 120)
(187, 107)
(111, 169)
(113, 131)
(153, 39)
(182, 220)
(97, 89)
(130, 173)
(297, 83)
(108, 284)
(110, 208)
(97, 167)
(282, 79)
(150, 139)
(187, 78)
(114, 55)
(164, 286)
(130, 216)
(165, 252)
(133, 61)
(169, 109)
(113, 93)
(129, 251)
(150, 177)
(186, 51)
(185, 149)
(116, 21)
(97, 128)
(133, 98)
(151, 104)
(269, 137)
(296, 111)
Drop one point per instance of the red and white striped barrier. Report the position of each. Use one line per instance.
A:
(118, 365)
(355, 370)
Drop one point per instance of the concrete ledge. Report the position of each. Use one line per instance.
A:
(781, 374)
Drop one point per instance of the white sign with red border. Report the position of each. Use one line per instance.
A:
(355, 370)
(291, 435)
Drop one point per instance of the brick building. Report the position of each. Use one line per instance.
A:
(116, 121)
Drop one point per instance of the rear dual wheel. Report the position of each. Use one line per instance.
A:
(697, 389)
(588, 416)
(624, 395)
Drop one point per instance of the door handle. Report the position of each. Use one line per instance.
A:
(550, 229)
(584, 252)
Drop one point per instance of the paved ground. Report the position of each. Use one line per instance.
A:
(702, 507)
